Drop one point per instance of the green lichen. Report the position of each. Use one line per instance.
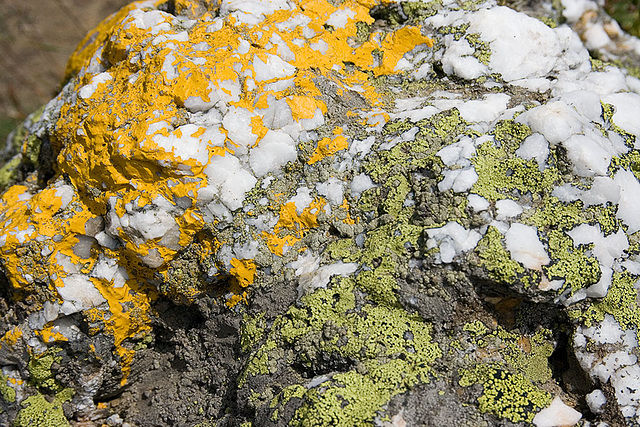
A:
(144, 342)
(385, 249)
(470, 5)
(418, 10)
(39, 368)
(433, 133)
(553, 214)
(284, 397)
(405, 13)
(348, 400)
(503, 175)
(496, 259)
(38, 411)
(259, 364)
(185, 279)
(398, 126)
(379, 284)
(528, 355)
(357, 330)
(604, 216)
(287, 394)
(548, 21)
(629, 161)
(7, 393)
(524, 354)
(394, 169)
(394, 351)
(505, 394)
(388, 247)
(398, 188)
(9, 173)
(598, 65)
(512, 367)
(31, 150)
(608, 111)
(368, 200)
(363, 31)
(476, 328)
(343, 249)
(570, 263)
(357, 334)
(510, 134)
(22, 158)
(621, 302)
(457, 32)
(482, 49)
(382, 335)
(251, 331)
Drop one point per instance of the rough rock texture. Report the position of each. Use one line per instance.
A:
(323, 213)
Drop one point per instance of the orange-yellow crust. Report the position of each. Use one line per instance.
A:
(135, 83)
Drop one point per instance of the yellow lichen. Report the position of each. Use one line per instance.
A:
(48, 335)
(291, 227)
(345, 207)
(11, 337)
(329, 146)
(115, 156)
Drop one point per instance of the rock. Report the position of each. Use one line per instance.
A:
(311, 213)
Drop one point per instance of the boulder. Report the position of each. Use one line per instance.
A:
(318, 213)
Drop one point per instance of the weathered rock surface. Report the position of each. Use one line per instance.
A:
(322, 213)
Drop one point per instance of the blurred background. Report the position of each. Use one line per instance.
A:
(37, 37)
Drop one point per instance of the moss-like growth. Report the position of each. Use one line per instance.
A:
(627, 13)
(252, 331)
(433, 133)
(398, 189)
(7, 393)
(502, 175)
(9, 172)
(528, 354)
(512, 368)
(482, 50)
(385, 250)
(39, 368)
(407, 12)
(548, 21)
(420, 9)
(38, 411)
(571, 264)
(22, 157)
(343, 249)
(393, 350)
(350, 399)
(608, 111)
(495, 258)
(620, 302)
(505, 394)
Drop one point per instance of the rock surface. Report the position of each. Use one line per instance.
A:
(321, 213)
